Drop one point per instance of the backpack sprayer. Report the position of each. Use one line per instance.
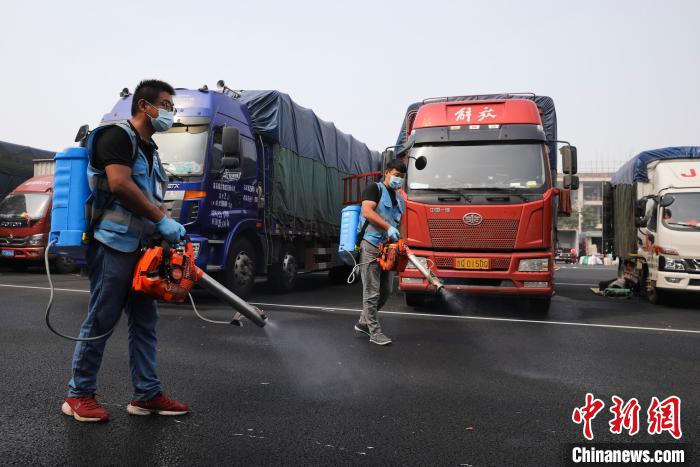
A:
(164, 271)
(393, 256)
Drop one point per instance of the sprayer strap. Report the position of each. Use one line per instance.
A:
(361, 235)
(112, 198)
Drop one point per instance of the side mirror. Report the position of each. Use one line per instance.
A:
(230, 141)
(640, 208)
(81, 137)
(421, 163)
(666, 201)
(569, 159)
(571, 182)
(640, 213)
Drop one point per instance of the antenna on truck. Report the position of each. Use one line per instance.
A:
(226, 90)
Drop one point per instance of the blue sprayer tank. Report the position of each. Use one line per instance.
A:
(70, 192)
(349, 218)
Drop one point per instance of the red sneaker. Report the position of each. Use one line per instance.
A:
(161, 405)
(85, 409)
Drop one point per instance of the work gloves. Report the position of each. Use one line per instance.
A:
(393, 233)
(170, 230)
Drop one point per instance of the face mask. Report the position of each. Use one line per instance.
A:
(395, 182)
(164, 120)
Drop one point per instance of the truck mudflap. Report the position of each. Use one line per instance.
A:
(496, 274)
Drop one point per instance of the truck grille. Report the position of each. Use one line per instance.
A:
(495, 263)
(491, 234)
(13, 241)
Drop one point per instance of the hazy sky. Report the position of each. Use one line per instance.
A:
(625, 75)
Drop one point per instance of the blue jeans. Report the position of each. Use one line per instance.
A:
(111, 273)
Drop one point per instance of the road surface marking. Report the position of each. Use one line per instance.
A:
(484, 318)
(43, 288)
(428, 315)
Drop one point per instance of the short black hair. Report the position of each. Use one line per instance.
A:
(396, 164)
(629, 262)
(149, 90)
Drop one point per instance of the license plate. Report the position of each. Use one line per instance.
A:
(8, 252)
(472, 263)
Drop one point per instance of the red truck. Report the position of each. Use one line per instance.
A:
(481, 195)
(25, 222)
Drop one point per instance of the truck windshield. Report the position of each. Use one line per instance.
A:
(24, 206)
(182, 149)
(684, 213)
(516, 167)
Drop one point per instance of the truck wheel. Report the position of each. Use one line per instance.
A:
(415, 299)
(654, 295)
(540, 306)
(64, 265)
(339, 275)
(239, 276)
(283, 274)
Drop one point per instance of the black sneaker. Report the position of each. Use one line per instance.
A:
(359, 327)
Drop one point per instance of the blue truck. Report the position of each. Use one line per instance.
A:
(258, 182)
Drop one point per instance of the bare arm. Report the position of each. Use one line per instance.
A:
(129, 194)
(371, 215)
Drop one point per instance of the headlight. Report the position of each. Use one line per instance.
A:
(671, 264)
(534, 265)
(37, 240)
(421, 259)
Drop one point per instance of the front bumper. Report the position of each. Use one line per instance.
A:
(681, 281)
(507, 280)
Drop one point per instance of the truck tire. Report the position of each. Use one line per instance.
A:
(239, 276)
(415, 299)
(540, 306)
(339, 275)
(654, 295)
(282, 275)
(64, 265)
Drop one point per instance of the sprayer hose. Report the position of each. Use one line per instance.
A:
(49, 306)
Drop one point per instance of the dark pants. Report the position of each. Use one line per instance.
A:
(110, 274)
(376, 286)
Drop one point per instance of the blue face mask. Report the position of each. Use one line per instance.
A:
(395, 182)
(164, 120)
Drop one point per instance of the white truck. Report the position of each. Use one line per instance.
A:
(656, 218)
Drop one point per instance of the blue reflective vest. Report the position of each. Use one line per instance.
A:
(116, 226)
(390, 213)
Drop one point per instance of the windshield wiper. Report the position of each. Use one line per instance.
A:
(177, 177)
(684, 224)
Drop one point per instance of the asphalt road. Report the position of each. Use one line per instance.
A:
(481, 382)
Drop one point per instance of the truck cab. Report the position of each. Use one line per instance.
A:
(669, 233)
(481, 199)
(212, 188)
(25, 221)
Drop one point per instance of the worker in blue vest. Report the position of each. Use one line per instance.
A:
(382, 210)
(125, 208)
